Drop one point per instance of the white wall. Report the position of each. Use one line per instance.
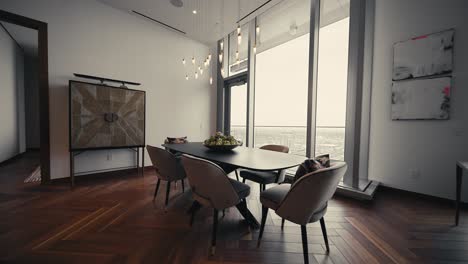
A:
(431, 147)
(89, 37)
(11, 95)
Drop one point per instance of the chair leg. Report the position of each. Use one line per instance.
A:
(168, 189)
(156, 190)
(261, 187)
(237, 175)
(183, 185)
(213, 234)
(282, 223)
(324, 232)
(305, 248)
(264, 186)
(193, 210)
(243, 180)
(262, 227)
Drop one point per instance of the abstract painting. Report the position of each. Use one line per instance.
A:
(424, 55)
(421, 99)
(105, 117)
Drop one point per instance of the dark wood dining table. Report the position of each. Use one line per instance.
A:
(243, 158)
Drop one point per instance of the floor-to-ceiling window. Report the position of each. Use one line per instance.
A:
(281, 95)
(332, 78)
(281, 76)
(282, 88)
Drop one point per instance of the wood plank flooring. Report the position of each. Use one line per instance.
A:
(112, 219)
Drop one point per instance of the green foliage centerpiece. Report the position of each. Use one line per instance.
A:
(220, 142)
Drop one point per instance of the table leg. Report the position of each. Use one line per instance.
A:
(138, 161)
(72, 170)
(245, 212)
(459, 185)
(143, 161)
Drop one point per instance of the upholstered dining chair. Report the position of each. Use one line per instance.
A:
(305, 201)
(168, 168)
(211, 187)
(265, 177)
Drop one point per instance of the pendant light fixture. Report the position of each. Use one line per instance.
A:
(239, 36)
(199, 61)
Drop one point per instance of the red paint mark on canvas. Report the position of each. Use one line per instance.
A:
(446, 91)
(420, 37)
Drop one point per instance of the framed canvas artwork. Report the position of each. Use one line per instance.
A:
(422, 99)
(423, 56)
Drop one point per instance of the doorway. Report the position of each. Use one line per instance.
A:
(39, 138)
(235, 107)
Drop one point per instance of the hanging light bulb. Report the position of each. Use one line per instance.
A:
(237, 55)
(193, 60)
(186, 77)
(238, 28)
(222, 72)
(255, 49)
(257, 29)
(239, 38)
(211, 80)
(201, 71)
(209, 57)
(196, 75)
(221, 45)
(183, 61)
(220, 58)
(199, 67)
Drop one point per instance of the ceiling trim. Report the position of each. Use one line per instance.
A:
(159, 22)
(253, 11)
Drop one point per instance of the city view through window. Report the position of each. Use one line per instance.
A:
(281, 102)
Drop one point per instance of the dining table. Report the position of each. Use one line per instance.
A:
(241, 158)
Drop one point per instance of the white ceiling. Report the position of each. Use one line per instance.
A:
(26, 37)
(214, 18)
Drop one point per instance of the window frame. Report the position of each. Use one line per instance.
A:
(358, 87)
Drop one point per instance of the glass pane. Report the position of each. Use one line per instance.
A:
(284, 22)
(332, 79)
(281, 87)
(238, 50)
(239, 112)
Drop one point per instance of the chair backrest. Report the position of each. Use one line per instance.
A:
(165, 164)
(209, 183)
(311, 193)
(277, 148)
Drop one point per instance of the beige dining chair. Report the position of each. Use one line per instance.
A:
(211, 187)
(305, 201)
(265, 177)
(168, 168)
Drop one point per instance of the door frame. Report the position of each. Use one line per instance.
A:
(43, 56)
(238, 79)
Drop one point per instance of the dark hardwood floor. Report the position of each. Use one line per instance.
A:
(112, 219)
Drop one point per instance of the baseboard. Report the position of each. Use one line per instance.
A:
(12, 159)
(423, 196)
(33, 149)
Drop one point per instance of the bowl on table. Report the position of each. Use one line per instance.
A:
(220, 142)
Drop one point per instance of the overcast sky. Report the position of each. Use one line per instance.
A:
(281, 82)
